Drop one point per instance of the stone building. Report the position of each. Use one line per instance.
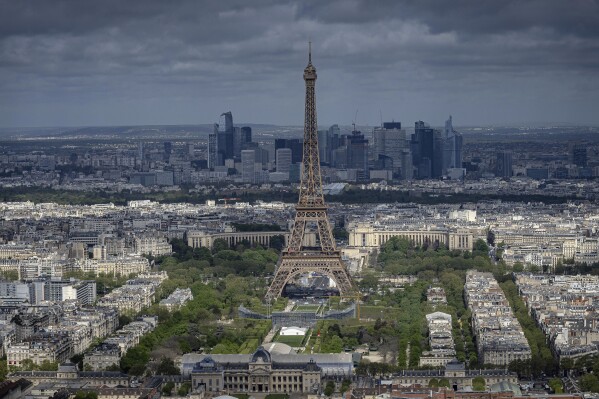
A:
(456, 374)
(259, 374)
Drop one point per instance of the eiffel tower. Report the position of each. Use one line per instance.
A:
(311, 211)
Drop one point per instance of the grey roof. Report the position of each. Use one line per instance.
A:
(192, 358)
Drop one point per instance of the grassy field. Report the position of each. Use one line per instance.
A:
(375, 312)
(291, 340)
(258, 306)
(307, 308)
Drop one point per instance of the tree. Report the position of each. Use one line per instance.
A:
(589, 383)
(518, 267)
(443, 383)
(566, 364)
(220, 244)
(167, 389)
(330, 388)
(491, 237)
(86, 395)
(478, 383)
(369, 282)
(533, 268)
(167, 367)
(277, 242)
(556, 385)
(184, 389)
(433, 383)
(481, 245)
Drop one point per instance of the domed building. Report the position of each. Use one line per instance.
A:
(259, 373)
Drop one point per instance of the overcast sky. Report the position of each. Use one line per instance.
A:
(115, 62)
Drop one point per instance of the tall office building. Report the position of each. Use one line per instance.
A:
(357, 154)
(324, 145)
(426, 147)
(140, 153)
(243, 137)
(283, 159)
(578, 154)
(213, 148)
(295, 145)
(226, 139)
(452, 147)
(390, 143)
(248, 166)
(168, 150)
(503, 164)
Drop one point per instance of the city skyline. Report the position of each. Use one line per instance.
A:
(67, 64)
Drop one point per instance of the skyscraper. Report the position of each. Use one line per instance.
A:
(503, 164)
(357, 154)
(213, 148)
(391, 141)
(168, 150)
(295, 145)
(140, 154)
(226, 139)
(423, 151)
(452, 147)
(579, 155)
(283, 159)
(248, 166)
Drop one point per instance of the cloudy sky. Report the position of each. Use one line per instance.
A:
(114, 62)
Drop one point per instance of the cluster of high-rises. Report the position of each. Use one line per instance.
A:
(393, 152)
(228, 144)
(390, 153)
(499, 336)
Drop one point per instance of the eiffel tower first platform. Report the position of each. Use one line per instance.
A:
(311, 213)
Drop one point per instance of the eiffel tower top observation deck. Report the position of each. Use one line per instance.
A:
(311, 183)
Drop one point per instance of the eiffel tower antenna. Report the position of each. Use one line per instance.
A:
(298, 258)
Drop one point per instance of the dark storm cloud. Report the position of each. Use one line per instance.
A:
(580, 18)
(113, 61)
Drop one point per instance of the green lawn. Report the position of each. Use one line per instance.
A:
(292, 340)
(307, 308)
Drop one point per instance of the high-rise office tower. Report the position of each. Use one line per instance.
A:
(452, 147)
(328, 142)
(295, 145)
(237, 142)
(357, 154)
(423, 146)
(226, 138)
(503, 164)
(579, 154)
(228, 121)
(242, 136)
(248, 166)
(283, 159)
(140, 153)
(390, 142)
(246, 136)
(168, 150)
(213, 148)
(324, 145)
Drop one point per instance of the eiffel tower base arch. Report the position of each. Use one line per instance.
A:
(328, 265)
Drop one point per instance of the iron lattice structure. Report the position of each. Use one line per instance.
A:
(311, 210)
